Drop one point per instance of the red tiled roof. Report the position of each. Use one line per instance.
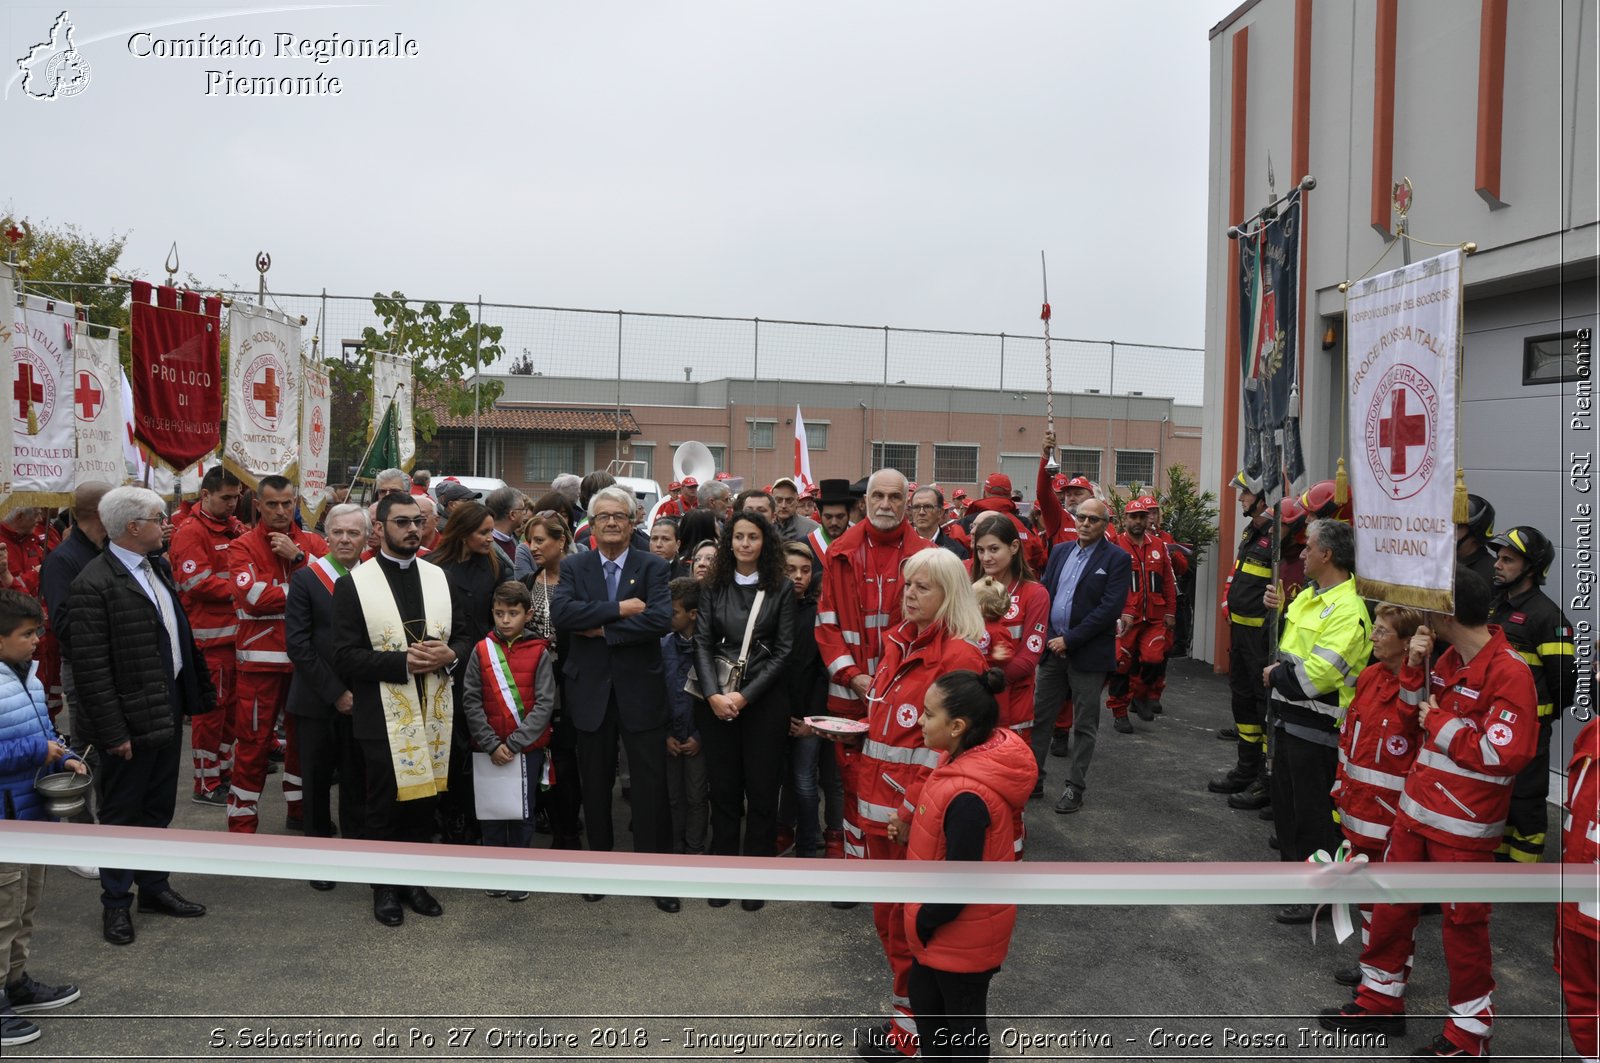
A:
(557, 419)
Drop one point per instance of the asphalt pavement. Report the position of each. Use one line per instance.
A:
(276, 970)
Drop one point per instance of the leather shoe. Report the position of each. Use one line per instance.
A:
(117, 926)
(1122, 725)
(1350, 976)
(322, 885)
(1142, 707)
(422, 901)
(1070, 801)
(670, 905)
(752, 906)
(718, 902)
(1228, 734)
(1300, 914)
(1251, 797)
(169, 902)
(592, 897)
(386, 906)
(1237, 779)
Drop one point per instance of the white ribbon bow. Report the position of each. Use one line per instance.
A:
(1343, 925)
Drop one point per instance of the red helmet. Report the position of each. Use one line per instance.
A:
(1318, 502)
(1142, 504)
(1293, 516)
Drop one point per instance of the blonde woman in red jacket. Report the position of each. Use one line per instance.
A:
(966, 811)
(938, 634)
(1378, 742)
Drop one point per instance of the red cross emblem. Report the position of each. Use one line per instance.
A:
(1402, 419)
(1401, 431)
(88, 396)
(267, 392)
(27, 390)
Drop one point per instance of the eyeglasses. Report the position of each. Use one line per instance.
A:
(405, 522)
(159, 518)
(923, 507)
(1092, 520)
(608, 518)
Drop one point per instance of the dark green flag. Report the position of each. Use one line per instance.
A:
(383, 453)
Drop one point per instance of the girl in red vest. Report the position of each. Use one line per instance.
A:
(965, 811)
(508, 699)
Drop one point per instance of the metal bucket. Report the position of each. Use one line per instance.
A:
(65, 793)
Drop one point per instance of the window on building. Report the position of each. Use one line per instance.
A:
(1077, 461)
(719, 454)
(817, 435)
(646, 452)
(761, 434)
(902, 456)
(1554, 359)
(1136, 466)
(543, 462)
(955, 463)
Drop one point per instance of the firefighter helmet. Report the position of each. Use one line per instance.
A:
(1531, 544)
(1480, 518)
(1292, 518)
(1319, 504)
(1243, 481)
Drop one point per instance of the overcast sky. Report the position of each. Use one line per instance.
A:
(877, 163)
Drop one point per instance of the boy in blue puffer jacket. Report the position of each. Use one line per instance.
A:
(27, 743)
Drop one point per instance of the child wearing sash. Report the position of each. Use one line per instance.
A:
(509, 699)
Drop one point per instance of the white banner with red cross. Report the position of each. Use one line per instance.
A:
(97, 405)
(263, 394)
(44, 443)
(8, 376)
(1405, 355)
(315, 412)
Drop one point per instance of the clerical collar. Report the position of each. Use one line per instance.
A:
(400, 563)
(747, 581)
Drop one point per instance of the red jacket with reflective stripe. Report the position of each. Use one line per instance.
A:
(199, 556)
(1153, 593)
(860, 601)
(1026, 622)
(25, 553)
(1377, 745)
(1483, 733)
(1580, 829)
(260, 588)
(893, 748)
(1000, 771)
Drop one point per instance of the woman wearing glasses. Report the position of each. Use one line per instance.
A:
(546, 540)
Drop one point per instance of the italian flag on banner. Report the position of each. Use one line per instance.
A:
(263, 394)
(44, 436)
(1405, 352)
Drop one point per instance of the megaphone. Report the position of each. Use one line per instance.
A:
(693, 459)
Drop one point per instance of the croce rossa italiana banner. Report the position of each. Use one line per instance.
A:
(1405, 353)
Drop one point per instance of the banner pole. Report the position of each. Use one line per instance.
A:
(1049, 368)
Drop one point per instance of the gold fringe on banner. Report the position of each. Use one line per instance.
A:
(34, 499)
(1402, 594)
(246, 477)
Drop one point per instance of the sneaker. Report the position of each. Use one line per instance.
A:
(1353, 1018)
(1060, 743)
(84, 871)
(217, 798)
(1071, 800)
(1442, 1046)
(30, 995)
(15, 1030)
(1122, 724)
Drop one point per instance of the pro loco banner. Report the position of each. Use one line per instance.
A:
(1405, 352)
(44, 443)
(177, 374)
(263, 394)
(159, 478)
(97, 406)
(1269, 299)
(8, 376)
(391, 382)
(315, 412)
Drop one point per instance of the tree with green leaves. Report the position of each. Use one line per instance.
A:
(65, 263)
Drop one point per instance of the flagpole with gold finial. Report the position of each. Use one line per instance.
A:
(1049, 369)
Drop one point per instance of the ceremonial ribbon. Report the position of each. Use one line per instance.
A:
(1343, 925)
(770, 878)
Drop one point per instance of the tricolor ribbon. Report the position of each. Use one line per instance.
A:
(1343, 925)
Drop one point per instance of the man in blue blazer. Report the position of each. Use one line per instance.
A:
(1088, 583)
(615, 604)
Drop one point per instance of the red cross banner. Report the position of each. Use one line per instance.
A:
(44, 444)
(177, 373)
(8, 376)
(97, 408)
(1405, 352)
(315, 416)
(263, 394)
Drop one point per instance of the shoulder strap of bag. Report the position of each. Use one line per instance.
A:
(750, 627)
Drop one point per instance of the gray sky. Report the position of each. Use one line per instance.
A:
(888, 163)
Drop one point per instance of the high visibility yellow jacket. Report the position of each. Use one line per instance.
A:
(1326, 640)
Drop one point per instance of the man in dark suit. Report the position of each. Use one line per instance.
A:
(1088, 583)
(137, 673)
(319, 696)
(615, 603)
(418, 596)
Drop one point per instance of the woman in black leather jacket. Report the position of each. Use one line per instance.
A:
(744, 732)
